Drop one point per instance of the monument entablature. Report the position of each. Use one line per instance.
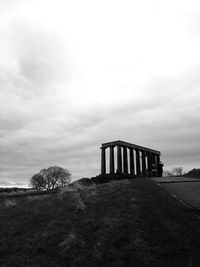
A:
(129, 145)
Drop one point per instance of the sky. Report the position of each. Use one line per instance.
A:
(76, 74)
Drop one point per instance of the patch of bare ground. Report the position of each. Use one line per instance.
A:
(122, 223)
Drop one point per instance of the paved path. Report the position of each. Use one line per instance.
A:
(183, 188)
(174, 179)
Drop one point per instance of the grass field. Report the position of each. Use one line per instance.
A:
(124, 223)
(189, 192)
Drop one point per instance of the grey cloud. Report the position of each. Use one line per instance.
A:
(9, 5)
(5, 183)
(38, 129)
(41, 58)
(11, 125)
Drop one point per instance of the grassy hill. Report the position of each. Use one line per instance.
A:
(122, 223)
(194, 173)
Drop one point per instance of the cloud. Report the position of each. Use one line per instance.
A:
(70, 80)
(169, 118)
(5, 183)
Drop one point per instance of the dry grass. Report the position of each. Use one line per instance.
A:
(71, 244)
(123, 223)
(73, 196)
(10, 203)
(37, 197)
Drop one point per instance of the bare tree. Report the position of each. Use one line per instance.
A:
(167, 173)
(37, 181)
(51, 178)
(65, 178)
(177, 171)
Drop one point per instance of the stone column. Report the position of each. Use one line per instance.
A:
(125, 159)
(138, 162)
(157, 164)
(119, 159)
(112, 164)
(132, 170)
(149, 164)
(143, 163)
(103, 160)
(153, 159)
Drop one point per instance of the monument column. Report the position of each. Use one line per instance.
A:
(157, 164)
(119, 159)
(153, 158)
(125, 159)
(143, 163)
(103, 160)
(132, 171)
(149, 164)
(157, 158)
(112, 164)
(138, 162)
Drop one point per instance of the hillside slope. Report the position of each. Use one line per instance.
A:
(194, 173)
(123, 223)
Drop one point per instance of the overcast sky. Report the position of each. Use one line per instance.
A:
(75, 74)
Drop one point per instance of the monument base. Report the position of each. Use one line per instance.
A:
(104, 178)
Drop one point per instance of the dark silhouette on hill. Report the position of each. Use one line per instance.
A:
(194, 173)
